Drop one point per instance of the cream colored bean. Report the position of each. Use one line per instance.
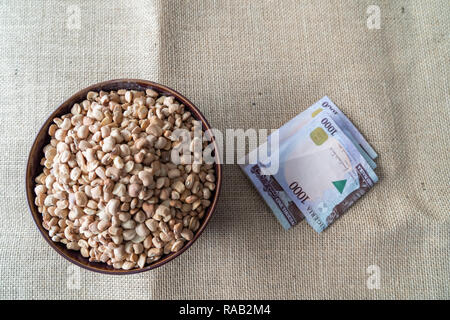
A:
(152, 224)
(129, 166)
(146, 178)
(81, 199)
(118, 163)
(140, 217)
(119, 189)
(134, 189)
(129, 224)
(187, 234)
(108, 144)
(189, 181)
(154, 130)
(113, 173)
(142, 260)
(129, 96)
(191, 199)
(83, 132)
(179, 186)
(174, 173)
(157, 242)
(151, 93)
(155, 252)
(113, 206)
(129, 234)
(161, 143)
(162, 211)
(128, 265)
(177, 245)
(142, 230)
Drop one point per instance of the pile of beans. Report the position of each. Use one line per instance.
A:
(109, 187)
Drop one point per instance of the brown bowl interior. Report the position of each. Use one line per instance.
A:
(42, 139)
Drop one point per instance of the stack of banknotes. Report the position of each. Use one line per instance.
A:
(314, 167)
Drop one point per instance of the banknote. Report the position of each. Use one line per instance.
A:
(326, 105)
(344, 123)
(284, 208)
(276, 198)
(322, 171)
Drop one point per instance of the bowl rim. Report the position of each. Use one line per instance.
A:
(78, 97)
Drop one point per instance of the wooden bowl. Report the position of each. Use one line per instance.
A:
(36, 154)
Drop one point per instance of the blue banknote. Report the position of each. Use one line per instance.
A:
(327, 106)
(260, 171)
(322, 171)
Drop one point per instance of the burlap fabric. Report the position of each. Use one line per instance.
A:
(247, 64)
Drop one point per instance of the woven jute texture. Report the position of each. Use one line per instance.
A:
(247, 64)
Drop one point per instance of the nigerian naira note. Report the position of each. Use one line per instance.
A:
(273, 194)
(322, 171)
